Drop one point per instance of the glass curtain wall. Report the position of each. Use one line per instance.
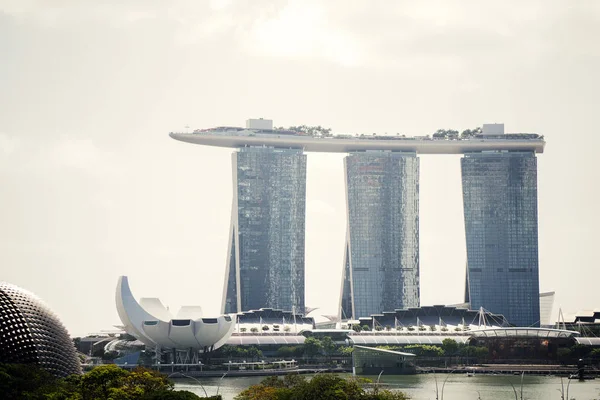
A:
(266, 249)
(382, 253)
(501, 223)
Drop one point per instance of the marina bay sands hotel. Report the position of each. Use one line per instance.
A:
(265, 265)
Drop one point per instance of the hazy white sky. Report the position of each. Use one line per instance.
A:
(92, 187)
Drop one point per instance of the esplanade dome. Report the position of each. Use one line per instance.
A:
(30, 333)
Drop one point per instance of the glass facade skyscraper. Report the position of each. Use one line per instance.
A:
(501, 224)
(265, 265)
(381, 271)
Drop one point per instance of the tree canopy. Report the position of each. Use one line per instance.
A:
(453, 134)
(106, 382)
(312, 347)
(445, 133)
(309, 130)
(330, 387)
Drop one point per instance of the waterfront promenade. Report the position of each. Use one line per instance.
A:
(480, 369)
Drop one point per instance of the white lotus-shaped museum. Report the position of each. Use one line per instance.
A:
(151, 322)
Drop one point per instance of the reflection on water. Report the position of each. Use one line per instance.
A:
(422, 387)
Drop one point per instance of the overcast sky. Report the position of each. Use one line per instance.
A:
(92, 187)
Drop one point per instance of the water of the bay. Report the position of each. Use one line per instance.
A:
(422, 387)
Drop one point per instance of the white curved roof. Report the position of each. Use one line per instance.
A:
(160, 329)
(189, 312)
(523, 332)
(404, 339)
(155, 307)
(131, 313)
(588, 341)
(247, 340)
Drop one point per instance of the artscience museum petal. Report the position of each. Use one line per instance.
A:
(151, 323)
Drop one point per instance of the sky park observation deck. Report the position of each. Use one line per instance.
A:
(265, 266)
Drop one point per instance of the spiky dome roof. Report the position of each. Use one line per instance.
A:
(30, 333)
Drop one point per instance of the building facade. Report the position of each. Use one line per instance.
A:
(501, 225)
(381, 271)
(265, 265)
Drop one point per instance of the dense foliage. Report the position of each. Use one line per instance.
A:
(326, 387)
(106, 382)
(309, 130)
(449, 348)
(453, 134)
(311, 348)
(238, 352)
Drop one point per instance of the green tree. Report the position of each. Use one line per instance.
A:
(226, 351)
(259, 392)
(311, 130)
(289, 351)
(480, 352)
(240, 352)
(450, 346)
(425, 350)
(102, 381)
(580, 350)
(176, 395)
(24, 382)
(254, 353)
(445, 133)
(388, 395)
(146, 380)
(563, 353)
(312, 347)
(468, 133)
(326, 387)
(293, 380)
(328, 346)
(77, 343)
(330, 387)
(595, 353)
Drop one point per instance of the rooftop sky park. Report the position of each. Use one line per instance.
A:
(491, 138)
